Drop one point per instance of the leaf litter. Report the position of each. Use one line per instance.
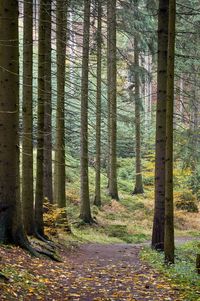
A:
(91, 272)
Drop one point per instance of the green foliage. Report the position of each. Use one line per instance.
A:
(187, 202)
(194, 181)
(121, 231)
(148, 180)
(133, 204)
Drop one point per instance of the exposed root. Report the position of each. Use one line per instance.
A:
(45, 239)
(3, 278)
(51, 255)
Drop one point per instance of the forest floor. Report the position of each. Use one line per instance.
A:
(110, 260)
(87, 272)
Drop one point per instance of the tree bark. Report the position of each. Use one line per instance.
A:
(85, 212)
(27, 139)
(139, 183)
(198, 263)
(169, 210)
(59, 165)
(48, 189)
(11, 225)
(112, 98)
(159, 206)
(40, 122)
(97, 199)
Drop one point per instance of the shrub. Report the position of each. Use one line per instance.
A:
(187, 202)
(148, 180)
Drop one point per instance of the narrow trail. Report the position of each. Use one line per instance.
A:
(91, 272)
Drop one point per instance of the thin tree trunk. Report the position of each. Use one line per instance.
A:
(108, 106)
(139, 183)
(27, 142)
(85, 212)
(48, 189)
(159, 207)
(97, 199)
(59, 165)
(169, 210)
(40, 122)
(112, 98)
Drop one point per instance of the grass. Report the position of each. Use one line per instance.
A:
(133, 214)
(183, 273)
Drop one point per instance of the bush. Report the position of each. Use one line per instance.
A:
(148, 181)
(117, 231)
(187, 196)
(187, 202)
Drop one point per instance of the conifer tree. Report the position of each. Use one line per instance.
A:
(138, 183)
(112, 98)
(39, 224)
(97, 200)
(59, 162)
(85, 211)
(48, 182)
(159, 207)
(169, 210)
(11, 225)
(27, 142)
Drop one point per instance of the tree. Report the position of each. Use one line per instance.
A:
(85, 211)
(40, 122)
(169, 211)
(159, 207)
(27, 142)
(97, 199)
(11, 225)
(112, 98)
(59, 165)
(48, 182)
(138, 184)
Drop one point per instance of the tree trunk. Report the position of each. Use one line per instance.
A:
(11, 226)
(159, 207)
(27, 141)
(97, 199)
(85, 212)
(139, 183)
(198, 263)
(48, 189)
(169, 210)
(112, 98)
(59, 165)
(40, 121)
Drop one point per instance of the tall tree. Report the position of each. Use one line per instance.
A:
(59, 166)
(112, 97)
(27, 142)
(85, 211)
(97, 199)
(169, 210)
(48, 189)
(159, 207)
(139, 183)
(40, 122)
(11, 225)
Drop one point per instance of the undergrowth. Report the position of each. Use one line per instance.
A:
(183, 273)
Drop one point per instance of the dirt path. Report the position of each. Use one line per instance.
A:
(92, 272)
